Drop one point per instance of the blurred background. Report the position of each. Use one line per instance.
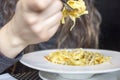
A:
(110, 27)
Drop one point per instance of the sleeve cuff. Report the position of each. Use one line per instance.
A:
(6, 62)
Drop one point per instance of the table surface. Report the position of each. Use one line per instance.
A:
(27, 76)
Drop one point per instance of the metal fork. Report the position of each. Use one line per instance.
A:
(66, 5)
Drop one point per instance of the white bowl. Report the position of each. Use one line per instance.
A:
(76, 76)
(36, 60)
(53, 76)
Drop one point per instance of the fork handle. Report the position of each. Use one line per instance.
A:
(64, 1)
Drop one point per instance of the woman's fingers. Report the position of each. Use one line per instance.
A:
(46, 30)
(37, 19)
(47, 24)
(33, 17)
(53, 30)
(48, 34)
(53, 9)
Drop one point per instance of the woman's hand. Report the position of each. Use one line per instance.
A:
(34, 21)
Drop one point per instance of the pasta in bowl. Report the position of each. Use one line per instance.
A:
(37, 60)
(77, 57)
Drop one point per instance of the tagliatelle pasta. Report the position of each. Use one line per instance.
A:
(77, 57)
(79, 9)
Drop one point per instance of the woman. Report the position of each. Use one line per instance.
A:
(85, 34)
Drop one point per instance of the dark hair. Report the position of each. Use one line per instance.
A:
(85, 34)
(7, 9)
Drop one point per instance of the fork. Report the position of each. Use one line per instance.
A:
(68, 7)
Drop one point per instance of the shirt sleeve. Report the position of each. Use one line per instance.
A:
(6, 62)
